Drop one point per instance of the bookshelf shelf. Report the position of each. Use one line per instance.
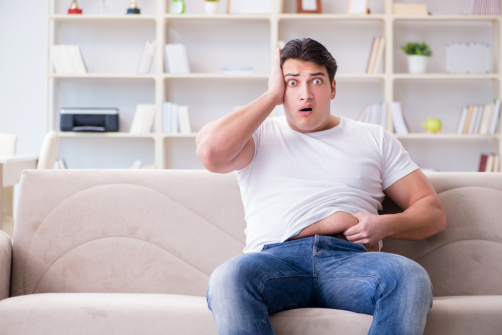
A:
(215, 76)
(379, 17)
(448, 136)
(192, 29)
(258, 17)
(104, 76)
(77, 17)
(446, 18)
(104, 135)
(445, 76)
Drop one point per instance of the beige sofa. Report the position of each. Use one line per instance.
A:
(130, 252)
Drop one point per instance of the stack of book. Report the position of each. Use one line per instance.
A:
(376, 55)
(398, 120)
(67, 59)
(479, 119)
(176, 119)
(489, 163)
(147, 56)
(481, 7)
(176, 58)
(142, 121)
(375, 113)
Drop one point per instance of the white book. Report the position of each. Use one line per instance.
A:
(474, 119)
(170, 57)
(167, 120)
(379, 55)
(137, 120)
(461, 120)
(398, 119)
(144, 58)
(178, 58)
(496, 164)
(165, 107)
(174, 119)
(363, 113)
(57, 59)
(185, 57)
(70, 60)
(184, 120)
(82, 68)
(495, 117)
(151, 56)
(383, 113)
(489, 164)
(479, 119)
(485, 120)
(367, 116)
(166, 60)
(149, 119)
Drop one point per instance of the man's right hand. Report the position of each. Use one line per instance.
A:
(276, 85)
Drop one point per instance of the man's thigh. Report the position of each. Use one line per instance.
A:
(280, 276)
(356, 281)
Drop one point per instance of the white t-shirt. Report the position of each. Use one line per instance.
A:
(296, 179)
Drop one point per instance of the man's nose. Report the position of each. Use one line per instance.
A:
(306, 93)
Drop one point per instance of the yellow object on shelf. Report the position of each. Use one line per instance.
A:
(409, 9)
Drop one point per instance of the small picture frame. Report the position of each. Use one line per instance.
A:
(254, 6)
(308, 6)
(359, 7)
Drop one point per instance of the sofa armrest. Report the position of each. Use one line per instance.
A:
(5, 264)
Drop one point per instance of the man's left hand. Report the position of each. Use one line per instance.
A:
(368, 231)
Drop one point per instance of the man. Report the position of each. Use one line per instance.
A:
(312, 184)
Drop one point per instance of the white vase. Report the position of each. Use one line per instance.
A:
(417, 63)
(211, 7)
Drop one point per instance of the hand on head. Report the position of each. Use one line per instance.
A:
(276, 83)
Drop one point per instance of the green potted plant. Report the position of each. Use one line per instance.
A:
(417, 56)
(211, 6)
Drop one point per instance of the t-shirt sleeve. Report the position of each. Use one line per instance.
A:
(256, 138)
(396, 162)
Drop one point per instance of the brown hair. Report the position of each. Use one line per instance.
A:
(309, 50)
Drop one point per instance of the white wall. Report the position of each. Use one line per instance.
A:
(116, 47)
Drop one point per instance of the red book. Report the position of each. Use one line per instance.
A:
(482, 163)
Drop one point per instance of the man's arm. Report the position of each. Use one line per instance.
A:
(423, 214)
(225, 145)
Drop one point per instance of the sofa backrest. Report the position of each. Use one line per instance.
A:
(165, 231)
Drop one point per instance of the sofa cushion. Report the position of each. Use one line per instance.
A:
(119, 313)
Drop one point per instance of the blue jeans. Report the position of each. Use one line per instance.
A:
(319, 271)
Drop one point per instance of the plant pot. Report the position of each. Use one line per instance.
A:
(211, 7)
(417, 63)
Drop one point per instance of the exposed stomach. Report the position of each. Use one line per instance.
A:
(333, 225)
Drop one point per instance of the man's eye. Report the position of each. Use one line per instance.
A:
(317, 81)
(292, 83)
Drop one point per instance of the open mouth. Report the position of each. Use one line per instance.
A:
(308, 109)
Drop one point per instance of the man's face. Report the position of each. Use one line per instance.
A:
(307, 87)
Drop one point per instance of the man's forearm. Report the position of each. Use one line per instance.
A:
(421, 220)
(224, 138)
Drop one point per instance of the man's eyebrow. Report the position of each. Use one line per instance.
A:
(312, 74)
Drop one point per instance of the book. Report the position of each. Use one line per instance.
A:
(184, 120)
(482, 163)
(461, 120)
(495, 117)
(143, 118)
(400, 125)
(480, 7)
(379, 55)
(147, 56)
(176, 58)
(496, 164)
(485, 120)
(67, 59)
(489, 164)
(372, 54)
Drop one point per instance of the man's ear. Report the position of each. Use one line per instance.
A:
(333, 89)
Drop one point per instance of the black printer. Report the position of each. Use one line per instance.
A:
(89, 119)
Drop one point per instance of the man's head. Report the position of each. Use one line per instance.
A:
(309, 71)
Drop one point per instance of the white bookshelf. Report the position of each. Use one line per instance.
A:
(157, 19)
